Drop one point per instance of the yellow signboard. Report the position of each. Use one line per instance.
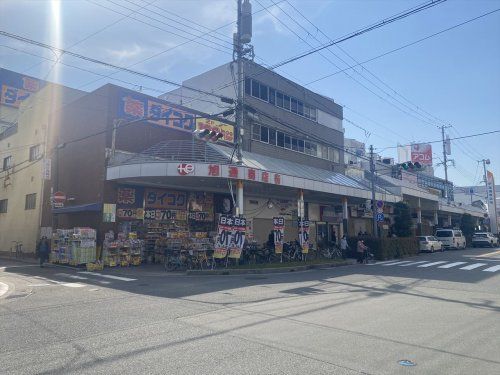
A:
(220, 127)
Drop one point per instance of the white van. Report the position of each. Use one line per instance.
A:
(451, 238)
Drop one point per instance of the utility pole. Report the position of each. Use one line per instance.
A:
(238, 50)
(374, 203)
(445, 163)
(485, 177)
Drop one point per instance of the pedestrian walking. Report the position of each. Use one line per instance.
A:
(360, 251)
(43, 250)
(344, 246)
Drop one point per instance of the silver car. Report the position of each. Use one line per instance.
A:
(429, 243)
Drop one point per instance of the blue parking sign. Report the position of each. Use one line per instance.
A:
(380, 216)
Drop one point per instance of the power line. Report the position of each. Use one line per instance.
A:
(451, 139)
(100, 62)
(365, 30)
(404, 46)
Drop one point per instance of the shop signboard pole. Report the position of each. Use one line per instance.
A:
(279, 235)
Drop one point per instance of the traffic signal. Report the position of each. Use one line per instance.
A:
(409, 166)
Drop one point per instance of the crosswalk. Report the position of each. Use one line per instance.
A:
(442, 264)
(79, 280)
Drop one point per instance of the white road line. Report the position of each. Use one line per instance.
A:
(393, 264)
(431, 264)
(473, 266)
(449, 265)
(71, 276)
(107, 276)
(4, 288)
(492, 269)
(379, 263)
(413, 263)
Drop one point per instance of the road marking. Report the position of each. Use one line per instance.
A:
(492, 269)
(107, 276)
(413, 263)
(44, 284)
(431, 264)
(449, 265)
(72, 285)
(4, 288)
(3, 268)
(393, 264)
(71, 276)
(489, 254)
(378, 263)
(473, 266)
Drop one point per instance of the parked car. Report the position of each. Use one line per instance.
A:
(484, 239)
(451, 238)
(429, 243)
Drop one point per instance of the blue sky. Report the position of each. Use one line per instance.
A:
(454, 77)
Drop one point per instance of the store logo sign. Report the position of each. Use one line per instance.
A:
(185, 169)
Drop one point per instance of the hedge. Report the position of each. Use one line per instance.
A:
(386, 248)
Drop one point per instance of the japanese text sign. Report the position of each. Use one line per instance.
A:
(220, 127)
(166, 199)
(279, 233)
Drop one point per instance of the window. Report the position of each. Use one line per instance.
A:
(279, 99)
(7, 163)
(307, 147)
(313, 113)
(294, 144)
(30, 202)
(264, 134)
(248, 86)
(333, 155)
(294, 105)
(288, 142)
(307, 112)
(272, 96)
(256, 132)
(34, 152)
(272, 137)
(280, 139)
(300, 108)
(314, 149)
(263, 92)
(286, 102)
(300, 144)
(3, 205)
(255, 88)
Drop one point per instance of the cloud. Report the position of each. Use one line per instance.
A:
(125, 54)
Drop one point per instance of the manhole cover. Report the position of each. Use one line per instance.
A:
(407, 362)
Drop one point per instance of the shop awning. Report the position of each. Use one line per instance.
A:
(90, 207)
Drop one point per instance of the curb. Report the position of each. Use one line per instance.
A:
(22, 260)
(258, 271)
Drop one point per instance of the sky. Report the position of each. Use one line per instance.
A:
(452, 78)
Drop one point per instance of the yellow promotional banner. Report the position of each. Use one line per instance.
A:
(218, 126)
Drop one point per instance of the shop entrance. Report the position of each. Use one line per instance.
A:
(327, 233)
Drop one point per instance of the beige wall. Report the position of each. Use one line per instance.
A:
(19, 224)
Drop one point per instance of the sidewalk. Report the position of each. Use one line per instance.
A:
(155, 270)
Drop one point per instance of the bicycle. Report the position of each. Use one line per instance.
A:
(17, 249)
(368, 257)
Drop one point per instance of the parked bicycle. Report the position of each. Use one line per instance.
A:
(17, 249)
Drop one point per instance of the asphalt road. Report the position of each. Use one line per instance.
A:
(440, 311)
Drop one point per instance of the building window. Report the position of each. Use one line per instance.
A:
(279, 99)
(272, 96)
(264, 134)
(313, 113)
(280, 139)
(255, 88)
(286, 102)
(7, 163)
(30, 202)
(272, 137)
(288, 142)
(3, 205)
(294, 105)
(300, 108)
(263, 92)
(294, 144)
(333, 155)
(256, 132)
(34, 152)
(300, 145)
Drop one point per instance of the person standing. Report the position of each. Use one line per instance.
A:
(344, 246)
(360, 251)
(43, 250)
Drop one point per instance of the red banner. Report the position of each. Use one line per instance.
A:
(422, 153)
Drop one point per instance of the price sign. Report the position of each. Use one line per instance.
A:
(279, 233)
(304, 235)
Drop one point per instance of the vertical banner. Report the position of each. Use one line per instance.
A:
(224, 236)
(238, 237)
(492, 202)
(304, 235)
(279, 233)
